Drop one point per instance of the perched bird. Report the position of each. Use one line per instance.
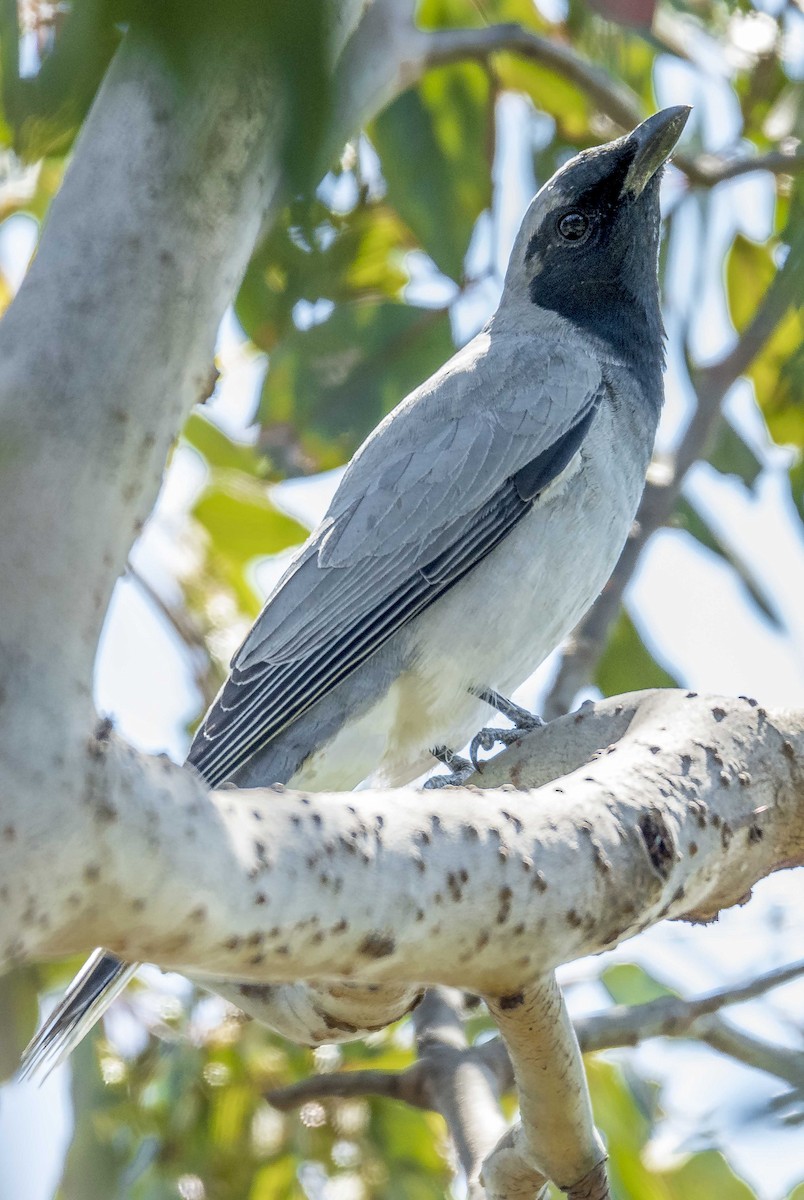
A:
(471, 530)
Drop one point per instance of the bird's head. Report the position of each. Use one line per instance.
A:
(588, 244)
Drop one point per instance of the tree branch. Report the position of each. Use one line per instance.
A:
(556, 1138)
(614, 98)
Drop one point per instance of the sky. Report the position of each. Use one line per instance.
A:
(688, 605)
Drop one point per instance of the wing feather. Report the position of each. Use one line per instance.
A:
(438, 485)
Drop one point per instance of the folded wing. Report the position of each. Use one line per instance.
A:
(438, 485)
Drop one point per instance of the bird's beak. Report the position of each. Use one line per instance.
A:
(654, 139)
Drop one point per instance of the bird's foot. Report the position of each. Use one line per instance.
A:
(459, 769)
(523, 722)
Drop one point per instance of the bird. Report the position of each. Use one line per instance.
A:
(470, 532)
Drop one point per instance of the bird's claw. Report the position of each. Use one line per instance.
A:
(523, 722)
(459, 770)
(487, 739)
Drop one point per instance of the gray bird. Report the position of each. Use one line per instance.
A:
(471, 530)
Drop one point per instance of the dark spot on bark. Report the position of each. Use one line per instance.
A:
(419, 914)
(744, 778)
(278, 788)
(506, 1003)
(422, 836)
(655, 749)
(691, 695)
(255, 959)
(724, 779)
(539, 882)
(788, 749)
(9, 833)
(284, 950)
(198, 914)
(755, 834)
(295, 820)
(520, 928)
(318, 938)
(254, 939)
(574, 919)
(92, 873)
(340, 927)
(716, 820)
(435, 822)
(341, 1026)
(718, 713)
(438, 898)
(256, 814)
(261, 898)
(377, 945)
(232, 943)
(678, 894)
(693, 849)
(317, 820)
(454, 887)
(658, 842)
(103, 729)
(504, 910)
(482, 940)
(252, 991)
(515, 821)
(470, 832)
(726, 834)
(686, 764)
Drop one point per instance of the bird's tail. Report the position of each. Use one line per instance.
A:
(94, 988)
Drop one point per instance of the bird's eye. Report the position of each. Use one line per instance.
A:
(572, 226)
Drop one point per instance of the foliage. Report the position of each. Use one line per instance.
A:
(332, 299)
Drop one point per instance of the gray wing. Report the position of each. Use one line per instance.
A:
(435, 488)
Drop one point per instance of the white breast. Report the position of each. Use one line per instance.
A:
(497, 625)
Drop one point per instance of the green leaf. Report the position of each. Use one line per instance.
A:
(332, 384)
(628, 983)
(731, 455)
(555, 95)
(217, 448)
(704, 1176)
(313, 253)
(777, 370)
(692, 522)
(19, 1009)
(627, 665)
(242, 521)
(436, 145)
(97, 1158)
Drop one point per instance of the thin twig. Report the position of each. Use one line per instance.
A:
(667, 1016)
(187, 630)
(611, 96)
(461, 1082)
(671, 1016)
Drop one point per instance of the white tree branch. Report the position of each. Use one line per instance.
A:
(556, 1137)
(691, 799)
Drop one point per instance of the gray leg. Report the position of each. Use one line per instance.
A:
(459, 769)
(523, 722)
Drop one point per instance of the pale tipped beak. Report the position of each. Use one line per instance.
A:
(654, 140)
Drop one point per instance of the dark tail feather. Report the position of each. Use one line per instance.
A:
(94, 988)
